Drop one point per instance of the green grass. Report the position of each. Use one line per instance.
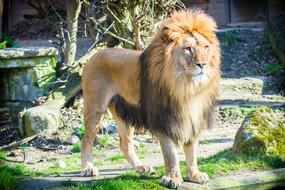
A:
(7, 180)
(115, 158)
(8, 174)
(104, 140)
(72, 164)
(226, 161)
(238, 111)
(126, 181)
(204, 142)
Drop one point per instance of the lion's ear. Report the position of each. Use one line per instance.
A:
(164, 35)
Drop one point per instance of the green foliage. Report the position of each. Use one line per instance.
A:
(278, 72)
(228, 37)
(104, 140)
(7, 42)
(2, 155)
(273, 68)
(76, 148)
(81, 131)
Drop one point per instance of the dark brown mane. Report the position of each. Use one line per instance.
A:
(163, 107)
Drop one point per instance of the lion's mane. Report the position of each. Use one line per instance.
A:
(173, 106)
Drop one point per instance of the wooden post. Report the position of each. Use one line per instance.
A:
(228, 11)
(1, 14)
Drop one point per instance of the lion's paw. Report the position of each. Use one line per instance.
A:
(89, 170)
(143, 169)
(199, 177)
(169, 182)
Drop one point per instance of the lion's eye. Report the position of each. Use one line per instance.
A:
(206, 47)
(188, 50)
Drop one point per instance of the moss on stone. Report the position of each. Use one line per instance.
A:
(261, 133)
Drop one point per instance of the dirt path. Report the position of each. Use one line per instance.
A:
(244, 85)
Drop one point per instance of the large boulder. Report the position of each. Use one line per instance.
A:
(41, 118)
(261, 133)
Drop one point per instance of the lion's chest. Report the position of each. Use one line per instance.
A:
(193, 116)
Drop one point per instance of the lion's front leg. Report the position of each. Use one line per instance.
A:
(192, 170)
(172, 177)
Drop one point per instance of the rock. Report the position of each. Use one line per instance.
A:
(72, 139)
(61, 164)
(261, 133)
(41, 118)
(109, 128)
(68, 151)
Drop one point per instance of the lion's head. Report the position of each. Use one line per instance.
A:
(185, 53)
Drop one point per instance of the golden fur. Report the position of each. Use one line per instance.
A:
(169, 89)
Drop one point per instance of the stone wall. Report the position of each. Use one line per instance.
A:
(25, 75)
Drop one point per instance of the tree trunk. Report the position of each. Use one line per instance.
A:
(73, 8)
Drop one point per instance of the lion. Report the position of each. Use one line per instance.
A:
(169, 89)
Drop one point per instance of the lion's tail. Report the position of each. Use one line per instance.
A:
(131, 114)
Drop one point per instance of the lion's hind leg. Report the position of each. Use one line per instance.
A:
(92, 124)
(97, 95)
(126, 134)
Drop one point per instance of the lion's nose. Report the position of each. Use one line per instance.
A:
(200, 64)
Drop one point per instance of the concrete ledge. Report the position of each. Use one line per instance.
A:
(9, 53)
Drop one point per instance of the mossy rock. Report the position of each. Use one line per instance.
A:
(261, 133)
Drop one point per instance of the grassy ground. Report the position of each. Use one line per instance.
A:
(222, 163)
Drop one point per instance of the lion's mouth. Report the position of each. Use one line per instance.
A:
(198, 76)
(197, 72)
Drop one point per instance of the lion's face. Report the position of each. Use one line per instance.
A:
(184, 55)
(191, 55)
